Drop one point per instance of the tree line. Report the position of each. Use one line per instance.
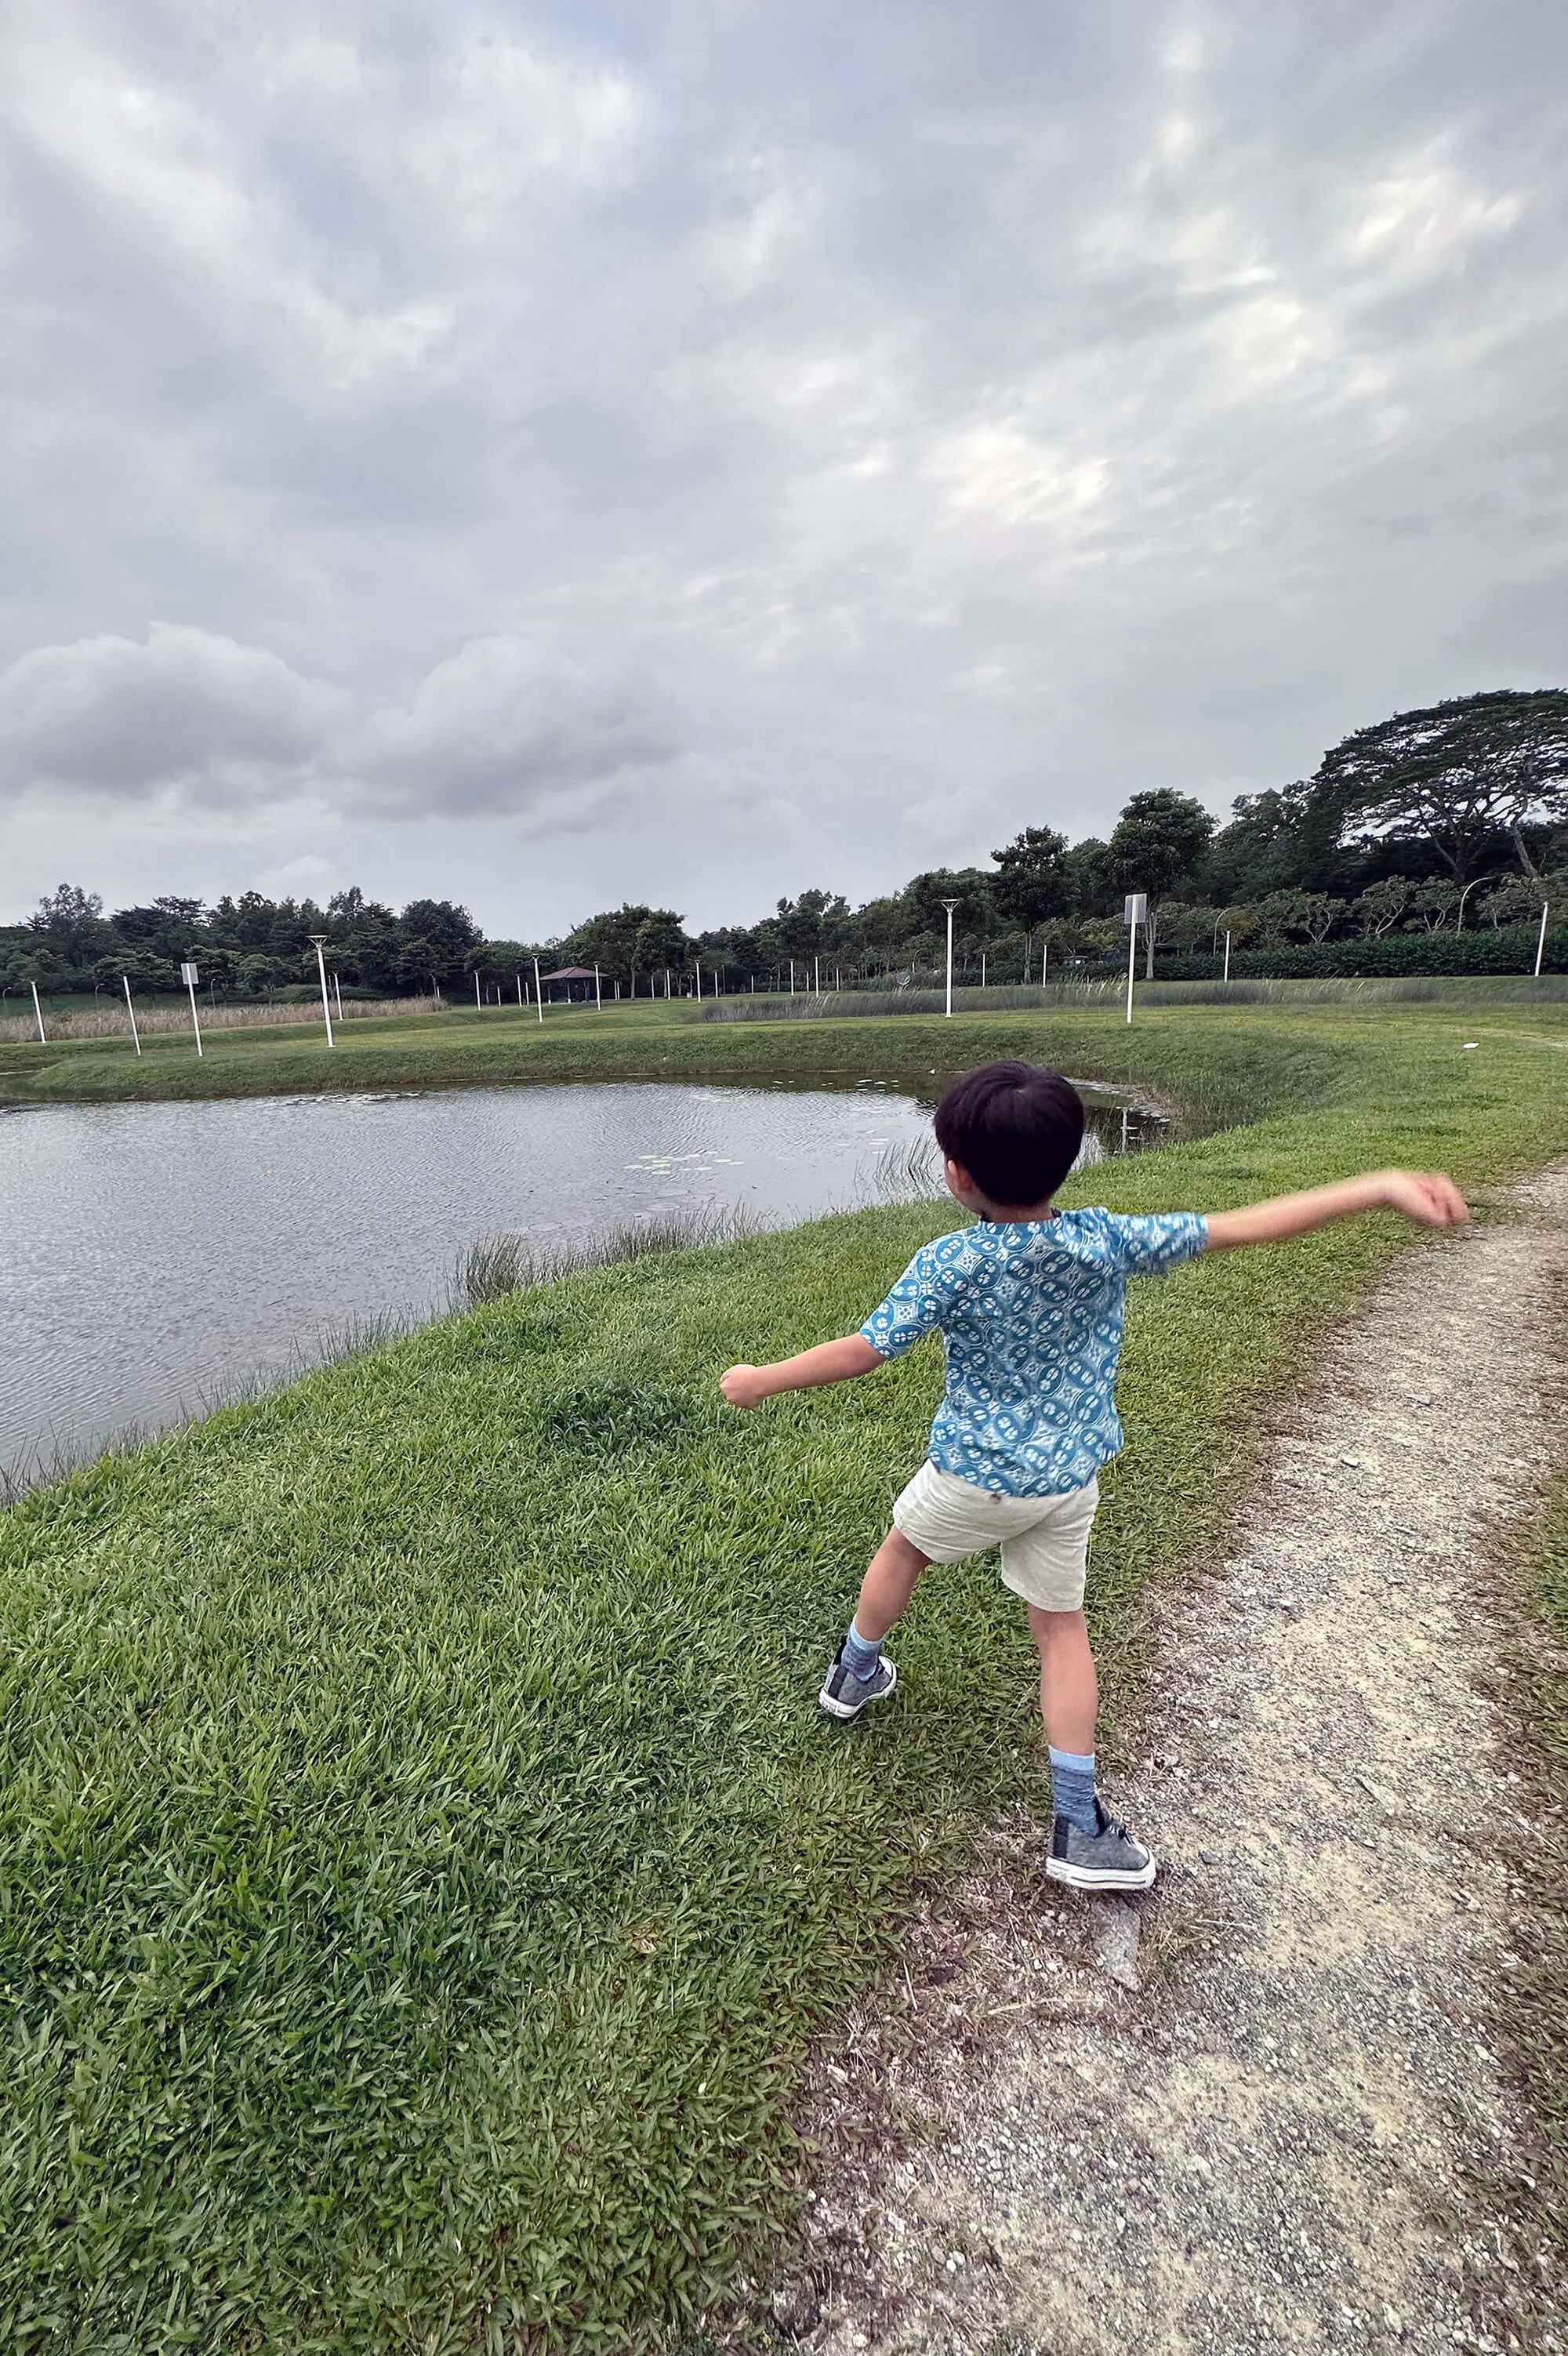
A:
(1449, 818)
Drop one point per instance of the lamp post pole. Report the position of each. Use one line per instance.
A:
(132, 1011)
(949, 906)
(318, 941)
(1226, 976)
(189, 976)
(1470, 886)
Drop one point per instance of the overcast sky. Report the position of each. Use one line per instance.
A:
(688, 450)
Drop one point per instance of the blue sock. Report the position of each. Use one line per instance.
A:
(1072, 1787)
(861, 1653)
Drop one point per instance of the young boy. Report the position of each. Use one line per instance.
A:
(1030, 1305)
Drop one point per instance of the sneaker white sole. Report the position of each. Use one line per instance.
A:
(1089, 1876)
(847, 1709)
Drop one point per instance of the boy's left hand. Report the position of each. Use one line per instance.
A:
(1429, 1197)
(742, 1385)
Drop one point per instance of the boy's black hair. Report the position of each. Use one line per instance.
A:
(1015, 1128)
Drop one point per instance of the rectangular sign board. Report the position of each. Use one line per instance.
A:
(1135, 908)
(189, 973)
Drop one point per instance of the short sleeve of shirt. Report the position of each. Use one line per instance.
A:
(912, 1309)
(1151, 1245)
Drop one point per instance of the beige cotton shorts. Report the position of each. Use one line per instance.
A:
(1043, 1540)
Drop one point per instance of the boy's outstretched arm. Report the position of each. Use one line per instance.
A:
(830, 1362)
(1426, 1196)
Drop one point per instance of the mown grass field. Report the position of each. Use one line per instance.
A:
(423, 1866)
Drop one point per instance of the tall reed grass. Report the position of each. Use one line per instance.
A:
(1111, 990)
(111, 1022)
(494, 1265)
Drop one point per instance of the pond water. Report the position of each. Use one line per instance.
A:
(155, 1256)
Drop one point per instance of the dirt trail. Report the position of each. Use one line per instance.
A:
(1234, 2117)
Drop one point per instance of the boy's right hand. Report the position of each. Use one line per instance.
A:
(743, 1386)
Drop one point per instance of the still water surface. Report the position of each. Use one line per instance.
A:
(154, 1255)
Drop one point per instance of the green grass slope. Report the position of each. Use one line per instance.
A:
(424, 1865)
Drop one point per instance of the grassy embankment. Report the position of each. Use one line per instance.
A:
(424, 1866)
(462, 1047)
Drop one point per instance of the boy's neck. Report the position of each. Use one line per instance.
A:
(1009, 1214)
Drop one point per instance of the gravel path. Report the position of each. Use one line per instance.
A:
(1235, 2116)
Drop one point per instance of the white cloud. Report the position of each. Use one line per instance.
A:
(306, 877)
(507, 725)
(187, 713)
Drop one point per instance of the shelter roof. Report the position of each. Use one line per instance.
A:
(569, 973)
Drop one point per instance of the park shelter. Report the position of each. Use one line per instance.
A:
(580, 980)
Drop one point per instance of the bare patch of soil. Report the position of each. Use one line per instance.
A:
(1250, 2111)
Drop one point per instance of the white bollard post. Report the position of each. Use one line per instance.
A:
(1134, 912)
(38, 1012)
(189, 976)
(537, 990)
(1541, 941)
(318, 941)
(132, 1011)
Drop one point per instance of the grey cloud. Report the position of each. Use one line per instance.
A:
(181, 712)
(503, 726)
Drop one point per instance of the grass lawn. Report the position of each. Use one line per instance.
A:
(424, 1864)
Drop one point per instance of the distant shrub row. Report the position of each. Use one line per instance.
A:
(1510, 949)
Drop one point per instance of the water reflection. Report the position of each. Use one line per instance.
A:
(151, 1256)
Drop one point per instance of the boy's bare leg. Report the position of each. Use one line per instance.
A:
(1070, 1690)
(895, 1571)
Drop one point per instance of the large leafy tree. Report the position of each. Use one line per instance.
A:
(444, 933)
(1159, 845)
(1033, 881)
(1456, 776)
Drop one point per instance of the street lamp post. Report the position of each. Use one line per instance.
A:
(1470, 886)
(949, 906)
(318, 941)
(189, 976)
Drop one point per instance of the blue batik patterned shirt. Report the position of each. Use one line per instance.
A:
(1031, 1314)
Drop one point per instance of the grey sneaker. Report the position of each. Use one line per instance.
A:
(844, 1695)
(1109, 1858)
